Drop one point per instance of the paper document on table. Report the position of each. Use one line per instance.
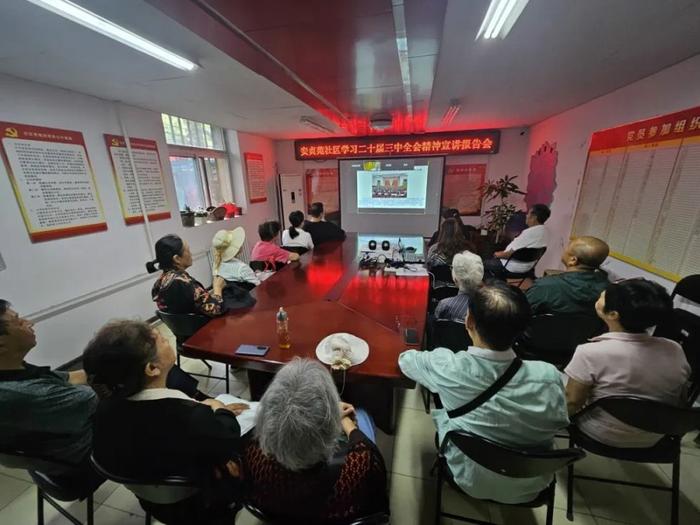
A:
(412, 270)
(246, 419)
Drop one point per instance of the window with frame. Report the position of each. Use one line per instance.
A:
(199, 164)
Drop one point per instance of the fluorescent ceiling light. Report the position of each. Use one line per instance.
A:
(500, 17)
(309, 122)
(88, 19)
(451, 113)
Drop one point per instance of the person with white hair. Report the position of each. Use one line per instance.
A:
(467, 273)
(311, 460)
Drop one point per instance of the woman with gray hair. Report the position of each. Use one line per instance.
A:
(468, 273)
(309, 462)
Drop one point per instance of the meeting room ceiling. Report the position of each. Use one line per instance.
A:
(265, 64)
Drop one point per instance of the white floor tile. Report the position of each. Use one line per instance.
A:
(109, 516)
(507, 515)
(15, 473)
(23, 510)
(412, 500)
(414, 450)
(385, 443)
(246, 518)
(411, 398)
(105, 491)
(10, 488)
(125, 500)
(460, 504)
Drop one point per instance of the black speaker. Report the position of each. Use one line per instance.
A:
(386, 246)
(372, 245)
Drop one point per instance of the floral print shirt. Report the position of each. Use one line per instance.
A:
(177, 292)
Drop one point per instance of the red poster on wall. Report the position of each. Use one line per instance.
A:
(255, 175)
(461, 188)
(53, 180)
(322, 186)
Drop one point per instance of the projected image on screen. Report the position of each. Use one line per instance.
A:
(391, 185)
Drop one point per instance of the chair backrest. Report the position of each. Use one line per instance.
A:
(648, 415)
(296, 249)
(183, 326)
(450, 334)
(164, 491)
(443, 292)
(441, 272)
(554, 337)
(689, 288)
(379, 518)
(527, 255)
(510, 461)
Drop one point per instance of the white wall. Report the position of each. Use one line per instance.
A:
(58, 281)
(672, 89)
(508, 161)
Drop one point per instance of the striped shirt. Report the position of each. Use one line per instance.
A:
(453, 308)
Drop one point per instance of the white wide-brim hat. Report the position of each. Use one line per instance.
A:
(228, 243)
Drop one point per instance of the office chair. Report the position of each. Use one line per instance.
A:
(684, 328)
(161, 492)
(296, 249)
(554, 337)
(56, 481)
(652, 416)
(379, 518)
(525, 255)
(184, 326)
(437, 294)
(507, 461)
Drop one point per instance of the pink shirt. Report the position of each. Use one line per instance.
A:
(624, 364)
(268, 251)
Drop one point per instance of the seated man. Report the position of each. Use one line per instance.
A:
(526, 412)
(534, 236)
(578, 288)
(467, 273)
(42, 412)
(321, 230)
(626, 361)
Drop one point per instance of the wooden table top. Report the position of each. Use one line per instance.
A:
(324, 293)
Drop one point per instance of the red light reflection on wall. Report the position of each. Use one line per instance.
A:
(453, 143)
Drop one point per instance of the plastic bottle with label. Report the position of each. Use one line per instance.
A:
(283, 329)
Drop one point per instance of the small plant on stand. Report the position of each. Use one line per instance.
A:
(498, 215)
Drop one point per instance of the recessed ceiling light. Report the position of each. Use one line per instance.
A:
(311, 123)
(101, 25)
(500, 17)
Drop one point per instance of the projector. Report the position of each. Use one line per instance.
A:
(380, 122)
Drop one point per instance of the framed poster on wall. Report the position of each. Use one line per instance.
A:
(322, 185)
(461, 188)
(150, 178)
(52, 179)
(255, 175)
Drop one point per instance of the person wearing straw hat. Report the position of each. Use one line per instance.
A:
(226, 245)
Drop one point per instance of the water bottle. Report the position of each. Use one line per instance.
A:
(283, 329)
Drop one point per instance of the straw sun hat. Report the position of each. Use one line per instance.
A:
(228, 243)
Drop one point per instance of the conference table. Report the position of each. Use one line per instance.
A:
(326, 292)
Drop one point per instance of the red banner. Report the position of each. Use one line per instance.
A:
(667, 127)
(461, 188)
(255, 175)
(478, 142)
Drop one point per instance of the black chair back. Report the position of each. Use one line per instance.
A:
(442, 273)
(296, 249)
(379, 518)
(554, 337)
(183, 326)
(526, 255)
(162, 491)
(509, 461)
(647, 414)
(689, 288)
(450, 334)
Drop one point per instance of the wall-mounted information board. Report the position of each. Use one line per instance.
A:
(641, 193)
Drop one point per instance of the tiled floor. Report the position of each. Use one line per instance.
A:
(412, 490)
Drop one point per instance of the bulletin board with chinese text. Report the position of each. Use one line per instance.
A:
(641, 193)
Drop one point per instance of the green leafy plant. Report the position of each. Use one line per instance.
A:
(498, 215)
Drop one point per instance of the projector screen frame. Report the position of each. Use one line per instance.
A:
(404, 212)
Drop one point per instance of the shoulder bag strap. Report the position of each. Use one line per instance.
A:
(489, 392)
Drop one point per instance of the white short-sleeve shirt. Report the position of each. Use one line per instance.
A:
(303, 240)
(532, 237)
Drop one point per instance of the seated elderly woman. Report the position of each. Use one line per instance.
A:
(467, 272)
(309, 462)
(146, 431)
(626, 361)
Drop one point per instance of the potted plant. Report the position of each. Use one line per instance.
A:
(500, 213)
(187, 217)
